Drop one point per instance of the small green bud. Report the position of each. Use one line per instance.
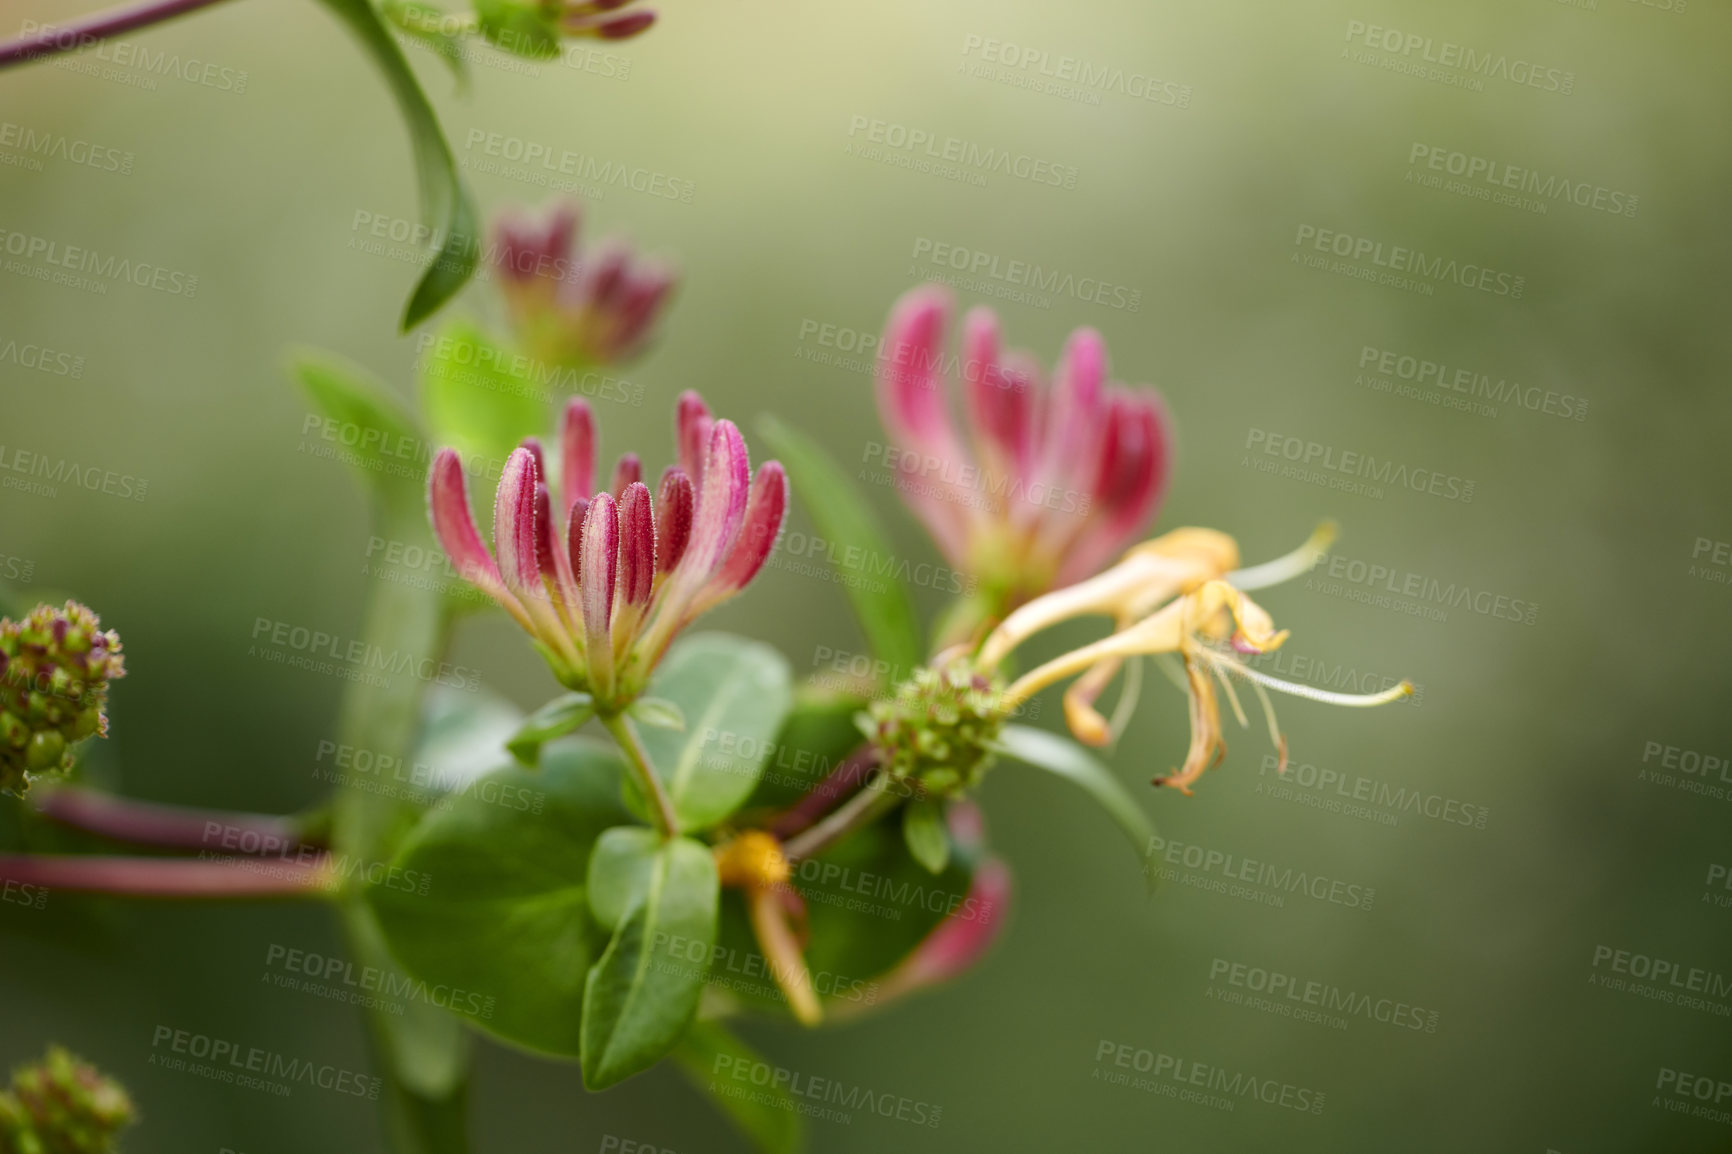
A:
(938, 728)
(55, 666)
(62, 1105)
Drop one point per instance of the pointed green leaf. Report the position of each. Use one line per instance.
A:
(1069, 760)
(486, 899)
(373, 422)
(445, 203)
(557, 718)
(641, 996)
(619, 872)
(472, 398)
(923, 830)
(843, 517)
(435, 28)
(659, 713)
(732, 694)
(769, 1116)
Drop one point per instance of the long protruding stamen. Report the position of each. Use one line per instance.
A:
(1285, 568)
(1327, 697)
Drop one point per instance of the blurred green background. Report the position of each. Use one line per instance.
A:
(1289, 123)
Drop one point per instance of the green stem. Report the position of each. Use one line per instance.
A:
(662, 813)
(863, 808)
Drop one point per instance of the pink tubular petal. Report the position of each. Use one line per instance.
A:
(957, 943)
(721, 500)
(1000, 400)
(454, 525)
(628, 471)
(1076, 405)
(757, 536)
(910, 387)
(643, 301)
(600, 547)
(673, 517)
(574, 537)
(515, 540)
(606, 275)
(577, 451)
(637, 545)
(625, 27)
(692, 423)
(551, 555)
(1135, 457)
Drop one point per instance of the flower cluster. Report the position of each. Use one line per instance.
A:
(55, 667)
(62, 1105)
(938, 727)
(1050, 481)
(604, 580)
(568, 306)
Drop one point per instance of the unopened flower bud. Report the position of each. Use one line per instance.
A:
(939, 727)
(62, 1105)
(55, 667)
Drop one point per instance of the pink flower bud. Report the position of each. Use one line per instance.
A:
(673, 518)
(637, 549)
(577, 451)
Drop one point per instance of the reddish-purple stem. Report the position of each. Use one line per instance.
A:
(167, 877)
(148, 823)
(85, 32)
(848, 776)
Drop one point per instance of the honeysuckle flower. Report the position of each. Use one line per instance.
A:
(55, 666)
(1181, 594)
(602, 19)
(603, 580)
(570, 306)
(1049, 481)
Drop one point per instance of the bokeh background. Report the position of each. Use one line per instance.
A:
(1286, 122)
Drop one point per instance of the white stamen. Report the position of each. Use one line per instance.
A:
(1327, 697)
(1294, 564)
(1127, 702)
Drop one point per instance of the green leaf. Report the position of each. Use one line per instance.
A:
(518, 28)
(374, 431)
(923, 830)
(769, 1115)
(659, 713)
(429, 1047)
(557, 718)
(733, 694)
(486, 900)
(462, 733)
(435, 28)
(1069, 760)
(619, 872)
(445, 203)
(472, 398)
(642, 994)
(843, 517)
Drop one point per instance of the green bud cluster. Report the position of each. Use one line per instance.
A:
(55, 667)
(939, 727)
(62, 1105)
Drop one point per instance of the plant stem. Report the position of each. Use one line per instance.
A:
(168, 877)
(863, 808)
(83, 33)
(667, 822)
(816, 802)
(147, 823)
